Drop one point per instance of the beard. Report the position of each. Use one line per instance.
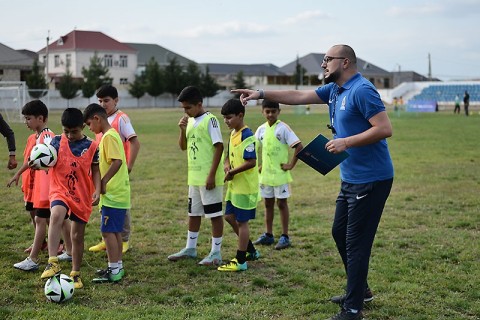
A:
(332, 77)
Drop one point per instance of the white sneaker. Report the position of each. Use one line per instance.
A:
(214, 258)
(64, 257)
(26, 265)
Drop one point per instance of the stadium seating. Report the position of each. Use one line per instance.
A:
(447, 93)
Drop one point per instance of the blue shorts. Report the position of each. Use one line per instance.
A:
(241, 215)
(112, 219)
(70, 215)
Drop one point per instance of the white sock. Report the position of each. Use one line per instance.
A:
(192, 238)
(114, 267)
(216, 244)
(120, 264)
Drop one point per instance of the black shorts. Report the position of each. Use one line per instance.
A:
(42, 213)
(29, 206)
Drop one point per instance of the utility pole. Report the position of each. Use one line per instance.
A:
(46, 59)
(429, 68)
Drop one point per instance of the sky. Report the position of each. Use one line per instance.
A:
(392, 34)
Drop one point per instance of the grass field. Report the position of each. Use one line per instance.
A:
(425, 261)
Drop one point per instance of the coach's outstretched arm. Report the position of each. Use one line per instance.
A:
(291, 97)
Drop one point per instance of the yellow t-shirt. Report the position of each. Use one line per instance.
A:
(118, 188)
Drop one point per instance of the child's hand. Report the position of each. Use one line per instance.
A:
(95, 199)
(183, 122)
(286, 166)
(228, 176)
(15, 179)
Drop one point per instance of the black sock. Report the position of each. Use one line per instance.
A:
(269, 235)
(284, 235)
(250, 247)
(241, 256)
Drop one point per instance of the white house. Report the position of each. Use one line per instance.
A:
(74, 51)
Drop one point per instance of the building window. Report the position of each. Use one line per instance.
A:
(123, 61)
(108, 60)
(123, 80)
(68, 59)
(386, 83)
(56, 61)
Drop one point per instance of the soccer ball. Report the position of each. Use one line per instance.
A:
(59, 288)
(43, 156)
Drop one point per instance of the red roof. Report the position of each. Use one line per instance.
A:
(87, 40)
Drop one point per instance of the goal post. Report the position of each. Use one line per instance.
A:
(13, 95)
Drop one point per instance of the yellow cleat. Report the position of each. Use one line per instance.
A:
(52, 269)
(77, 282)
(125, 246)
(101, 246)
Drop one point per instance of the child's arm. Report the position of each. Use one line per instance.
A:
(97, 183)
(112, 170)
(17, 175)
(248, 164)
(217, 156)
(134, 149)
(182, 139)
(293, 161)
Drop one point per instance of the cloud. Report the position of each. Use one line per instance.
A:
(419, 10)
(306, 16)
(227, 29)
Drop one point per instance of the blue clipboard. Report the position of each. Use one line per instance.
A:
(316, 156)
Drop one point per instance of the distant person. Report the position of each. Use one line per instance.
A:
(457, 104)
(7, 132)
(359, 124)
(275, 138)
(114, 192)
(395, 104)
(108, 98)
(200, 135)
(466, 102)
(74, 188)
(241, 172)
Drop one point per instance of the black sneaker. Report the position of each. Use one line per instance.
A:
(346, 315)
(341, 299)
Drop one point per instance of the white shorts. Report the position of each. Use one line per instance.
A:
(203, 202)
(279, 192)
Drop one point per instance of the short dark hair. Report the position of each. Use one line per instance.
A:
(94, 109)
(35, 108)
(190, 94)
(270, 104)
(72, 118)
(233, 106)
(107, 90)
(348, 52)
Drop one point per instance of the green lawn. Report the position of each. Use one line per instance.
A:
(425, 261)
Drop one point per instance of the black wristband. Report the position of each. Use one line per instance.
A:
(261, 94)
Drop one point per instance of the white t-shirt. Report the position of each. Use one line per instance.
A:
(213, 128)
(125, 128)
(283, 133)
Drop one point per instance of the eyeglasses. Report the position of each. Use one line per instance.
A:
(327, 59)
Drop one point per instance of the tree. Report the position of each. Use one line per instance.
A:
(154, 79)
(36, 82)
(208, 86)
(239, 82)
(68, 87)
(94, 77)
(137, 88)
(193, 76)
(299, 74)
(175, 79)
